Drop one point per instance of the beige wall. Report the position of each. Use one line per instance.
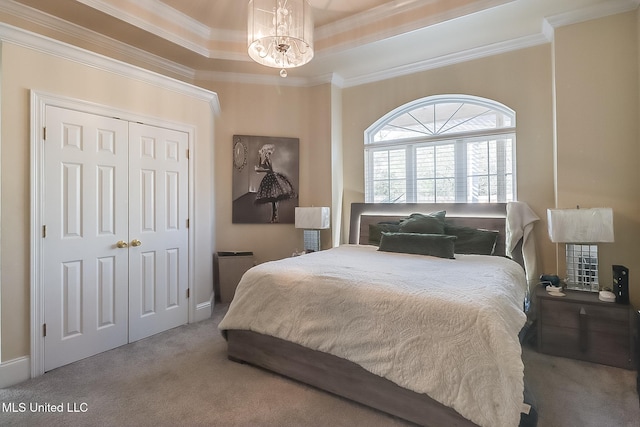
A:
(281, 111)
(24, 70)
(597, 132)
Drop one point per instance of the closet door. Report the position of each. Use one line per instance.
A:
(115, 241)
(158, 246)
(85, 216)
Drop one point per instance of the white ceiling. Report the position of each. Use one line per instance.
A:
(357, 41)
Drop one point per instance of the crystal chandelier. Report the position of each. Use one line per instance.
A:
(280, 33)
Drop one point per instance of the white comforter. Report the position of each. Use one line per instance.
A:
(447, 328)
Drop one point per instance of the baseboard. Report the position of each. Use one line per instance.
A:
(15, 371)
(203, 310)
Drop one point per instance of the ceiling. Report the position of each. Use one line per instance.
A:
(356, 41)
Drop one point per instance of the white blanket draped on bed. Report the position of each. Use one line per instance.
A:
(447, 328)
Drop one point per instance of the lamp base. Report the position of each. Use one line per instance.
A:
(311, 240)
(582, 267)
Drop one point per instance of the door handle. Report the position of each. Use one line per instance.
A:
(136, 242)
(121, 244)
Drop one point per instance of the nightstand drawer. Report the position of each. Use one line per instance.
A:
(598, 347)
(614, 319)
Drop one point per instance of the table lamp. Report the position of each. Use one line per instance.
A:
(581, 229)
(312, 220)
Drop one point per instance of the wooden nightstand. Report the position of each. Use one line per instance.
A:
(580, 326)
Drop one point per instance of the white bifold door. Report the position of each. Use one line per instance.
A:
(115, 238)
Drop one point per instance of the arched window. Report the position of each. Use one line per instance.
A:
(442, 149)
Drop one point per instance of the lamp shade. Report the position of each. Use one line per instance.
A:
(280, 32)
(580, 225)
(314, 218)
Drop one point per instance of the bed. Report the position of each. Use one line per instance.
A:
(424, 350)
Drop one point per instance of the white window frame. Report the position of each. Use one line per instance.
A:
(460, 141)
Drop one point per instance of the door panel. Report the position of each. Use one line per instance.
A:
(158, 201)
(85, 274)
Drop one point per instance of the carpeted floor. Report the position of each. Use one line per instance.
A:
(182, 377)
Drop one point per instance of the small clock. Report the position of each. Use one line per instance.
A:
(239, 155)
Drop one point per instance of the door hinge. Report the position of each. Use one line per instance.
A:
(44, 231)
(187, 222)
(44, 329)
(44, 133)
(188, 293)
(188, 154)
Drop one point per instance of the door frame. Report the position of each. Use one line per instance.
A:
(39, 102)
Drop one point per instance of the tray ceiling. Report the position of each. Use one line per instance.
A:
(356, 41)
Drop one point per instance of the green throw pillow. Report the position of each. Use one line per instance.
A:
(438, 245)
(472, 240)
(439, 215)
(376, 230)
(422, 224)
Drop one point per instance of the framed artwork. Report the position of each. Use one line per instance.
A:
(265, 179)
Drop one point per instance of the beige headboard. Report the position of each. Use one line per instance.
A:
(489, 216)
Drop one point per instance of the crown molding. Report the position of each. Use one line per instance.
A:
(270, 80)
(451, 59)
(160, 9)
(339, 81)
(385, 11)
(37, 42)
(246, 78)
(75, 31)
(157, 8)
(167, 13)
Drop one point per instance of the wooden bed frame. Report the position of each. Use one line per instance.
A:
(345, 378)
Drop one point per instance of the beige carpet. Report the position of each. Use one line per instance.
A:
(182, 377)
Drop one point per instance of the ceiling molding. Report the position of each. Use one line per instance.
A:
(75, 31)
(397, 7)
(166, 13)
(270, 80)
(547, 30)
(451, 59)
(339, 81)
(246, 78)
(37, 42)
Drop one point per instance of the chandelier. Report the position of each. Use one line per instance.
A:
(280, 33)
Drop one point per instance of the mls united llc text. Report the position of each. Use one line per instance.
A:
(34, 407)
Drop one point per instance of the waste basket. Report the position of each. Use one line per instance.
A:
(230, 266)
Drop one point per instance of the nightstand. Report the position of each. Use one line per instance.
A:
(580, 326)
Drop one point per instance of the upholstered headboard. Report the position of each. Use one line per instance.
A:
(489, 216)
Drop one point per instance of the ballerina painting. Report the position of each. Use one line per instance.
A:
(274, 186)
(265, 179)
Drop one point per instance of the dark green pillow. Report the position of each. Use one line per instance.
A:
(438, 245)
(375, 231)
(439, 214)
(423, 224)
(472, 240)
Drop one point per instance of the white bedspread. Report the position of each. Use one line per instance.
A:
(447, 328)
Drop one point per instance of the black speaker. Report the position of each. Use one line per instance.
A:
(621, 284)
